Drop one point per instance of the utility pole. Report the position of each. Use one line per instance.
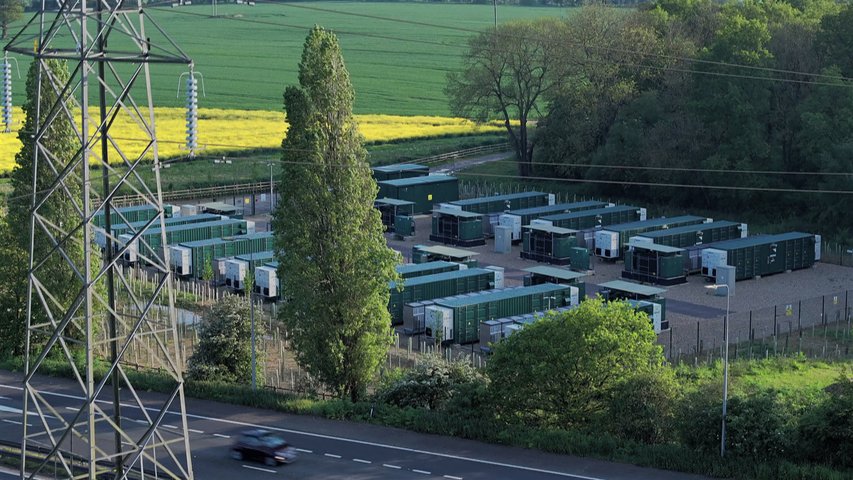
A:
(78, 32)
(495, 5)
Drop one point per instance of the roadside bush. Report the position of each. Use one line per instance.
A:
(642, 407)
(431, 383)
(826, 431)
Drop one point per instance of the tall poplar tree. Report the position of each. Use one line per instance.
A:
(56, 276)
(334, 264)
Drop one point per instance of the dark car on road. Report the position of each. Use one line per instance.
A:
(263, 446)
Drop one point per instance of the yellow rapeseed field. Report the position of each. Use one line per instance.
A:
(221, 131)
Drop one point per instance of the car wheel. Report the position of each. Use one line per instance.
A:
(270, 462)
(236, 454)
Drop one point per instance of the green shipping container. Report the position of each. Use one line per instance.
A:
(763, 254)
(457, 320)
(438, 285)
(579, 259)
(657, 264)
(610, 242)
(596, 217)
(398, 171)
(690, 235)
(149, 243)
(622, 290)
(412, 270)
(391, 208)
(429, 253)
(457, 227)
(526, 215)
(188, 258)
(502, 203)
(540, 274)
(544, 243)
(123, 228)
(424, 192)
(138, 213)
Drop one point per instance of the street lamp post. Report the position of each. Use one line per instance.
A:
(252, 316)
(725, 366)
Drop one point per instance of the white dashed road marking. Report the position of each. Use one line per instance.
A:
(332, 455)
(268, 470)
(304, 451)
(451, 477)
(421, 471)
(221, 435)
(361, 461)
(195, 431)
(391, 466)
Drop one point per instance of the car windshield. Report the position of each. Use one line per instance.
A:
(273, 441)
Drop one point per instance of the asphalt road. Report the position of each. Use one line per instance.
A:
(338, 450)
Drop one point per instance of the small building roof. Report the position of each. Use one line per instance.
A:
(551, 229)
(653, 222)
(586, 213)
(440, 277)
(256, 257)
(406, 182)
(496, 198)
(654, 247)
(407, 268)
(689, 229)
(555, 272)
(758, 240)
(446, 251)
(400, 167)
(219, 207)
(632, 287)
(393, 201)
(456, 213)
(557, 207)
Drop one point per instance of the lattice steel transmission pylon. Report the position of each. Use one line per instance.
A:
(103, 428)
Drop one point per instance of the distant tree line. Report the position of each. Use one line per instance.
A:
(686, 87)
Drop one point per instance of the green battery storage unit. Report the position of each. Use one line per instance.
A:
(404, 226)
(544, 243)
(439, 285)
(412, 270)
(391, 208)
(515, 219)
(579, 259)
(597, 217)
(138, 213)
(457, 227)
(694, 238)
(623, 290)
(495, 331)
(657, 264)
(237, 267)
(540, 274)
(457, 319)
(187, 259)
(610, 242)
(398, 171)
(424, 192)
(122, 228)
(762, 255)
(429, 253)
(148, 244)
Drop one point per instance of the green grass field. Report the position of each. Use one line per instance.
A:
(247, 55)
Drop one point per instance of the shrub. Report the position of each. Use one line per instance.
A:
(431, 383)
(826, 432)
(642, 407)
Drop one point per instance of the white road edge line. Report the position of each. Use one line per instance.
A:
(268, 470)
(421, 471)
(361, 461)
(344, 439)
(303, 450)
(332, 455)
(221, 435)
(392, 466)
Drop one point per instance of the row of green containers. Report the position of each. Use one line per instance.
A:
(502, 203)
(123, 228)
(138, 213)
(457, 227)
(423, 192)
(762, 254)
(398, 171)
(694, 239)
(544, 243)
(610, 242)
(517, 218)
(149, 243)
(437, 285)
(457, 319)
(188, 258)
(596, 217)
